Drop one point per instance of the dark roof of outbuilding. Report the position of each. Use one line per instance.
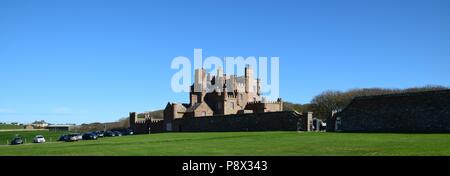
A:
(439, 98)
(408, 94)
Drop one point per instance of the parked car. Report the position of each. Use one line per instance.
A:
(127, 132)
(39, 139)
(17, 140)
(117, 133)
(100, 134)
(90, 136)
(72, 137)
(110, 134)
(79, 136)
(63, 138)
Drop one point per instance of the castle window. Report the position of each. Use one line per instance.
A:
(204, 113)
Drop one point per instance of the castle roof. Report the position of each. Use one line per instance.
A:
(195, 106)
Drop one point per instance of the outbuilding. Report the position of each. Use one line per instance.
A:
(421, 112)
(59, 127)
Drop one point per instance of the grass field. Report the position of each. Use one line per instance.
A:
(246, 144)
(9, 127)
(243, 144)
(28, 136)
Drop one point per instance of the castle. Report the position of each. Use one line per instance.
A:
(222, 103)
(219, 103)
(221, 95)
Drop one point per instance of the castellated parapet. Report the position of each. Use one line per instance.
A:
(145, 125)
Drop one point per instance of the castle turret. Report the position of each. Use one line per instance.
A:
(258, 87)
(204, 86)
(133, 118)
(219, 80)
(248, 79)
(224, 93)
(200, 84)
(200, 80)
(234, 84)
(219, 73)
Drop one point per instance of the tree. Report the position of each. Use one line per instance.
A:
(288, 106)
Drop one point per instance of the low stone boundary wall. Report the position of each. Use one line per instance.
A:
(272, 121)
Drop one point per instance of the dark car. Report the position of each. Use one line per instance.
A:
(100, 134)
(17, 141)
(109, 134)
(63, 138)
(127, 132)
(117, 133)
(72, 138)
(90, 136)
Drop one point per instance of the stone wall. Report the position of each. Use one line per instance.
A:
(274, 121)
(148, 127)
(140, 128)
(261, 107)
(156, 126)
(145, 126)
(425, 112)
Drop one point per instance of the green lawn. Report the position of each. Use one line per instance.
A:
(10, 127)
(28, 136)
(247, 144)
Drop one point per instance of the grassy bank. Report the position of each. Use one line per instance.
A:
(247, 144)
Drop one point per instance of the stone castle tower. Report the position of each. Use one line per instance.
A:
(221, 94)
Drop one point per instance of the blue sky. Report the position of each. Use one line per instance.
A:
(96, 60)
